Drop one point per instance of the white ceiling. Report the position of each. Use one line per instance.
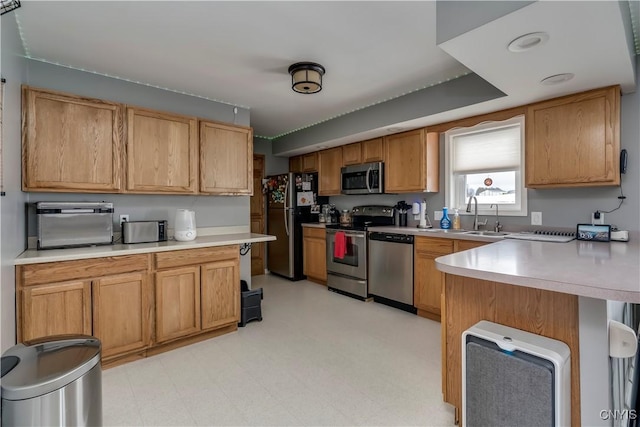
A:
(238, 52)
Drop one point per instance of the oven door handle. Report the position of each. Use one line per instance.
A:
(348, 234)
(368, 179)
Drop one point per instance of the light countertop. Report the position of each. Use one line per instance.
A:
(602, 270)
(33, 256)
(314, 224)
(436, 232)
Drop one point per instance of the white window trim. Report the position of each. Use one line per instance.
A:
(485, 210)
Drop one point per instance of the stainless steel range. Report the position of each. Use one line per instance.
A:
(347, 250)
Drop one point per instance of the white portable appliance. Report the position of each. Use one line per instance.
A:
(185, 228)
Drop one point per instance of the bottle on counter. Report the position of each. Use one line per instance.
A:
(445, 222)
(456, 220)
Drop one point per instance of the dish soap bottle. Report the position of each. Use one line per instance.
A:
(456, 220)
(445, 222)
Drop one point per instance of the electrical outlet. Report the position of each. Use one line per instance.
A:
(536, 218)
(437, 215)
(597, 217)
(124, 218)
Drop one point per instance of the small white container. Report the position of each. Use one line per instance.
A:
(185, 228)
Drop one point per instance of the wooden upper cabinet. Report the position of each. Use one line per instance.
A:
(329, 165)
(411, 162)
(574, 141)
(352, 154)
(310, 162)
(372, 150)
(162, 152)
(70, 143)
(226, 159)
(363, 152)
(295, 164)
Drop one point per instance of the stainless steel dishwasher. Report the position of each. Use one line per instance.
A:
(391, 269)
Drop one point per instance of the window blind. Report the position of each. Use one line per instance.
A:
(492, 149)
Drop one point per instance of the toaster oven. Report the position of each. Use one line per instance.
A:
(72, 224)
(144, 231)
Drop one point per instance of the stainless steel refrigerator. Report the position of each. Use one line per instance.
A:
(292, 199)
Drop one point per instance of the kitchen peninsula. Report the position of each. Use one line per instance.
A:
(139, 299)
(551, 289)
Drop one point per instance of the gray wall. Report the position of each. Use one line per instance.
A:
(273, 165)
(12, 218)
(457, 93)
(454, 18)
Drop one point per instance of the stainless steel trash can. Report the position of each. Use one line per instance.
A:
(55, 381)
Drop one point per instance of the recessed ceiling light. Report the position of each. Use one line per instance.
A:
(528, 41)
(557, 79)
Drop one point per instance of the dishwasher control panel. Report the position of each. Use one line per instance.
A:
(390, 237)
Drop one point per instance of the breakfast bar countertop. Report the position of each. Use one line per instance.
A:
(33, 256)
(602, 270)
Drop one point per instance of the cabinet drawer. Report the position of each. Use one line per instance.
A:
(318, 233)
(50, 272)
(434, 245)
(195, 256)
(463, 245)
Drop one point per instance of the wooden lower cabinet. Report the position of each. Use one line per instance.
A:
(314, 253)
(428, 280)
(151, 302)
(56, 309)
(122, 313)
(220, 294)
(177, 303)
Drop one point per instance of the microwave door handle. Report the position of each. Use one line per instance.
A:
(368, 179)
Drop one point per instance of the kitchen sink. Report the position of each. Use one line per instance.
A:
(487, 233)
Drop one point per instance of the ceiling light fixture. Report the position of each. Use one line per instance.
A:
(528, 41)
(306, 77)
(7, 6)
(557, 79)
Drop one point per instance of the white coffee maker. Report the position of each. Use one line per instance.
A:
(185, 228)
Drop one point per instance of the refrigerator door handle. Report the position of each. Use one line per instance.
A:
(286, 208)
(368, 180)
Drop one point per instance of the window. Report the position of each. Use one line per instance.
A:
(486, 161)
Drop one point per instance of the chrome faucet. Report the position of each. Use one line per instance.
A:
(498, 226)
(476, 223)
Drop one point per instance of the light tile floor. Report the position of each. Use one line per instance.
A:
(317, 359)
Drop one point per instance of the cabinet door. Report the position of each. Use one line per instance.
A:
(428, 280)
(70, 143)
(329, 165)
(54, 309)
(161, 152)
(295, 164)
(574, 141)
(220, 294)
(372, 151)
(314, 250)
(310, 162)
(352, 154)
(226, 159)
(177, 303)
(411, 162)
(122, 312)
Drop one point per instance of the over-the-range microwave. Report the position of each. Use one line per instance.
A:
(367, 178)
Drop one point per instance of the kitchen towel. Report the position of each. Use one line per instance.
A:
(339, 245)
